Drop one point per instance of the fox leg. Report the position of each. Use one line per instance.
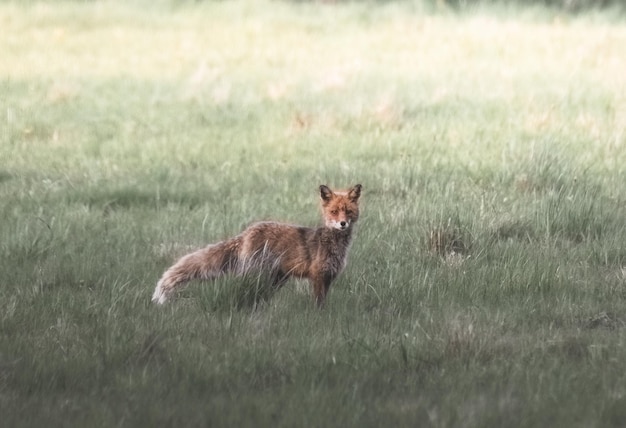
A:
(321, 285)
(278, 279)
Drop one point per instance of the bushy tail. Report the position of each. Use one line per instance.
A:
(206, 263)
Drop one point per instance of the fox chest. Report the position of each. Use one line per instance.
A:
(331, 261)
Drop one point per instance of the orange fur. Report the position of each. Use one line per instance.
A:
(283, 250)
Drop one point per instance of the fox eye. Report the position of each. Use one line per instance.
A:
(348, 212)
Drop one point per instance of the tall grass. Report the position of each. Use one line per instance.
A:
(486, 283)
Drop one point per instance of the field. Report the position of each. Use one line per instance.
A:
(486, 284)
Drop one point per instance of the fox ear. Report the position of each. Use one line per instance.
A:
(325, 193)
(355, 192)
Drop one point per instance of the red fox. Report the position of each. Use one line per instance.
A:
(282, 250)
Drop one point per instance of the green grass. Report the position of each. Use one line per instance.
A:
(487, 281)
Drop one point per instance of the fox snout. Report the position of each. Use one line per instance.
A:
(341, 223)
(338, 224)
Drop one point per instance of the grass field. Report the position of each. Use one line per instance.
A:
(487, 280)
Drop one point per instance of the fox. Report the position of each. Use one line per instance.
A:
(280, 249)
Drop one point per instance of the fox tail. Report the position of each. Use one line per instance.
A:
(206, 263)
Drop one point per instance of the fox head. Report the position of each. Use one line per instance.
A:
(340, 209)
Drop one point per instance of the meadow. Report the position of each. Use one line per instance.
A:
(486, 285)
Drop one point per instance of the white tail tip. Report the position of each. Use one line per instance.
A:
(159, 296)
